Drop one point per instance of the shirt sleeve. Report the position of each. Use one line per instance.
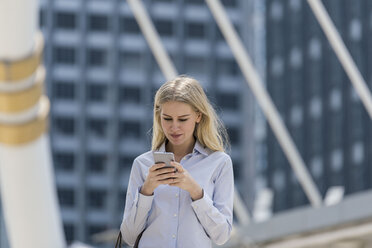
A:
(137, 207)
(215, 213)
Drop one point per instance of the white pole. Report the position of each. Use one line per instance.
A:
(265, 102)
(153, 39)
(342, 53)
(26, 175)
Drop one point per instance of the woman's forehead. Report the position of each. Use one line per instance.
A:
(175, 108)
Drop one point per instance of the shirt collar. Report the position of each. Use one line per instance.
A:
(198, 148)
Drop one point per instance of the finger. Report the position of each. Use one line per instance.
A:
(171, 181)
(178, 167)
(166, 176)
(157, 166)
(165, 170)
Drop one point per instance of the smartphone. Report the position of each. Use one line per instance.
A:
(164, 157)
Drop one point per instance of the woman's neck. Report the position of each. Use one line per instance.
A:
(182, 150)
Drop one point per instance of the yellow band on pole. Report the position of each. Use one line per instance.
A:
(12, 102)
(20, 69)
(18, 134)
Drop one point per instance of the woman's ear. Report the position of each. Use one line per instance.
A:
(199, 116)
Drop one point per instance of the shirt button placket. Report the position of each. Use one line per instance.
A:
(175, 216)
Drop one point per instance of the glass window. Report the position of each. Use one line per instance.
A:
(41, 17)
(126, 161)
(98, 23)
(64, 55)
(196, 65)
(356, 114)
(316, 137)
(95, 228)
(234, 135)
(64, 125)
(229, 3)
(96, 198)
(355, 29)
(316, 167)
(315, 107)
(229, 101)
(336, 131)
(97, 163)
(65, 20)
(97, 57)
(227, 67)
(295, 58)
(335, 99)
(276, 10)
(64, 161)
(358, 152)
(66, 197)
(279, 180)
(337, 160)
(295, 4)
(195, 30)
(121, 200)
(132, 61)
(64, 90)
(130, 94)
(130, 129)
(277, 66)
(196, 2)
(164, 27)
(129, 25)
(97, 92)
(238, 173)
(315, 48)
(296, 115)
(97, 127)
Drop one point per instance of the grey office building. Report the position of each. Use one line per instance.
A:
(315, 98)
(101, 82)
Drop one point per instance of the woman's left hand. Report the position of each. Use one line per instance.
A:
(184, 180)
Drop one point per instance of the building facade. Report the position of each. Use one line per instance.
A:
(315, 98)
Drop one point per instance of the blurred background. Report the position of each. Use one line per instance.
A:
(102, 78)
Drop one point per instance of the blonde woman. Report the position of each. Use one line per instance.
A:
(190, 205)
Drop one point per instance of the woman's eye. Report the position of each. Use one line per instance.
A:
(167, 119)
(183, 119)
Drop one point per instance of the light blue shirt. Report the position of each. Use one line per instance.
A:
(170, 218)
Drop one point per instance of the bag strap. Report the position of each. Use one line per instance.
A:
(138, 239)
(118, 241)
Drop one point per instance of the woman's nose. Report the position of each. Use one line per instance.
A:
(174, 125)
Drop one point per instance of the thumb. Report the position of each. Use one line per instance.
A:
(178, 166)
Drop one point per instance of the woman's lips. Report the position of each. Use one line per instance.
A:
(175, 136)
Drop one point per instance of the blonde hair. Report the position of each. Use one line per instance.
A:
(210, 131)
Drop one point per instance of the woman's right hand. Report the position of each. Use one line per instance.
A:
(157, 176)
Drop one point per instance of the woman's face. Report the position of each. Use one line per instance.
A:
(178, 121)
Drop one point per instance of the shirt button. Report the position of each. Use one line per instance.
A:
(176, 195)
(173, 236)
(175, 215)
